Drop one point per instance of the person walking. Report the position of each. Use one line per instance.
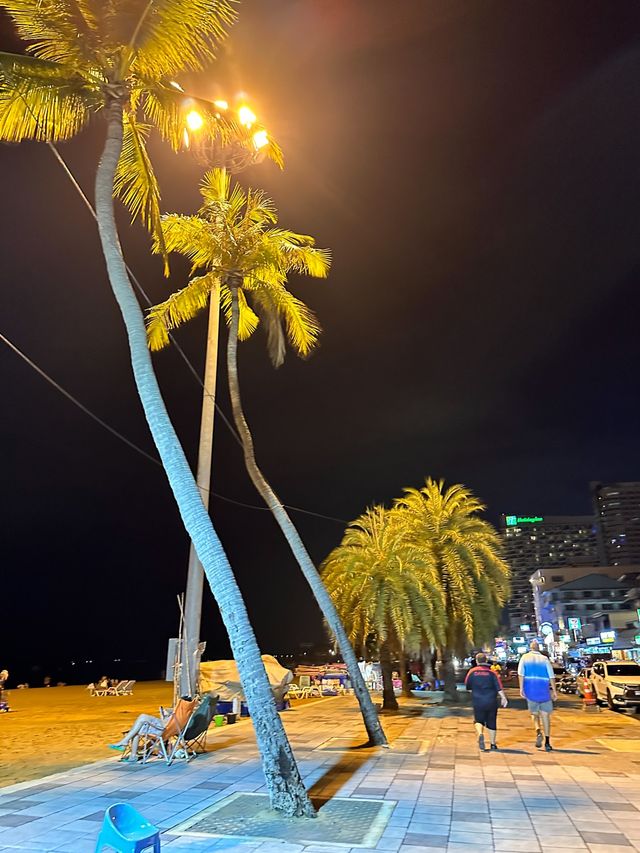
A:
(486, 688)
(538, 687)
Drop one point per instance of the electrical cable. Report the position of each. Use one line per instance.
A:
(132, 444)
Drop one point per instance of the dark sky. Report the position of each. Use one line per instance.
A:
(475, 169)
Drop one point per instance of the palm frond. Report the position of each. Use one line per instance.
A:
(42, 100)
(300, 253)
(177, 35)
(215, 186)
(190, 236)
(303, 328)
(136, 183)
(248, 320)
(178, 309)
(59, 30)
(272, 324)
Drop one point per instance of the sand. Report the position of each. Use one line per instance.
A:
(49, 730)
(53, 729)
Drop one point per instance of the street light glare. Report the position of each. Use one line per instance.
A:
(194, 120)
(247, 116)
(260, 138)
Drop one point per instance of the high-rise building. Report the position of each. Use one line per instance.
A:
(617, 509)
(578, 593)
(534, 542)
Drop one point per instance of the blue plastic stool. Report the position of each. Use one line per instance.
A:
(127, 831)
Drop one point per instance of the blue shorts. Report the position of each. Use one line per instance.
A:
(536, 707)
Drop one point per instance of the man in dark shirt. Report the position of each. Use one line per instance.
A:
(485, 687)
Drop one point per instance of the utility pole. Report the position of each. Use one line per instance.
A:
(195, 574)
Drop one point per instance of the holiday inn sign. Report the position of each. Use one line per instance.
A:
(513, 520)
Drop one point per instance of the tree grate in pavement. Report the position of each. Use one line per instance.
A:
(341, 822)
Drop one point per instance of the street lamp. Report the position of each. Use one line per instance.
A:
(234, 157)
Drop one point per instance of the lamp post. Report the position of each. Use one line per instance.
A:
(234, 158)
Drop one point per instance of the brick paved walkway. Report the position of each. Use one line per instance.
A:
(583, 796)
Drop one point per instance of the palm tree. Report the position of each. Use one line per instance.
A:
(118, 57)
(385, 587)
(242, 257)
(466, 553)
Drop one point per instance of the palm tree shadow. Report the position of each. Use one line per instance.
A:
(333, 779)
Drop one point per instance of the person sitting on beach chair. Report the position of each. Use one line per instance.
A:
(147, 724)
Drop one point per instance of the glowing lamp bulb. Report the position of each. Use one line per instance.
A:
(247, 117)
(260, 138)
(194, 120)
(221, 105)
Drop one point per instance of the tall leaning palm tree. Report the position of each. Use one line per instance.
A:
(238, 252)
(466, 552)
(118, 58)
(386, 589)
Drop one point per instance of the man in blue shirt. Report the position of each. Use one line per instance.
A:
(538, 687)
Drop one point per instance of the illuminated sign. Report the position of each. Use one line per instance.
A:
(525, 628)
(513, 520)
(518, 640)
(574, 623)
(521, 650)
(593, 641)
(546, 629)
(608, 636)
(637, 639)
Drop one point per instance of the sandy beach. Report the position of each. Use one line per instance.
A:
(53, 729)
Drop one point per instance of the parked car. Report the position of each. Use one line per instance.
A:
(583, 679)
(617, 683)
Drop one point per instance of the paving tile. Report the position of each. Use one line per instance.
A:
(610, 838)
(412, 849)
(420, 839)
(15, 819)
(616, 806)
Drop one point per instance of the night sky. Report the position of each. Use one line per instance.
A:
(475, 168)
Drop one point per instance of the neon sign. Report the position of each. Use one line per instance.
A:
(513, 520)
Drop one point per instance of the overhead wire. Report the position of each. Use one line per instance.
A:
(132, 445)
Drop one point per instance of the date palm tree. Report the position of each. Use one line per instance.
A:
(239, 253)
(466, 553)
(118, 58)
(385, 588)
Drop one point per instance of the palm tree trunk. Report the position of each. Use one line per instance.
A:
(389, 701)
(285, 786)
(406, 680)
(369, 715)
(449, 677)
(427, 664)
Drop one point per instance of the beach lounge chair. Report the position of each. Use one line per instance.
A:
(295, 692)
(116, 690)
(170, 744)
(195, 734)
(122, 688)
